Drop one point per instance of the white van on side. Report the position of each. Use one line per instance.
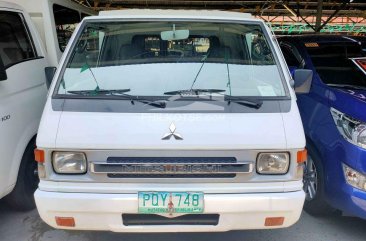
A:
(55, 21)
(23, 91)
(171, 121)
(22, 96)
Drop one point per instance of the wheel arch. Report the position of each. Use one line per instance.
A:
(29, 135)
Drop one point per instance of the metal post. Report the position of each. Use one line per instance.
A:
(319, 14)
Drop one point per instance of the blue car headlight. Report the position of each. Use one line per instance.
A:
(354, 131)
(354, 178)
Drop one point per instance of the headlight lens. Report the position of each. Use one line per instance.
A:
(352, 130)
(354, 178)
(69, 162)
(273, 163)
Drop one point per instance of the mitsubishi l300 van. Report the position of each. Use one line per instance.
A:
(169, 120)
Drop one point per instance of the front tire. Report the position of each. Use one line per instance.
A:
(21, 198)
(315, 203)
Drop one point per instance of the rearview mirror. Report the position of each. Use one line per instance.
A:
(3, 75)
(174, 34)
(303, 79)
(50, 72)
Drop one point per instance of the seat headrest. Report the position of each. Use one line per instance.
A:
(214, 42)
(138, 41)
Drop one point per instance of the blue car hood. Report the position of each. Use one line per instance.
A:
(351, 102)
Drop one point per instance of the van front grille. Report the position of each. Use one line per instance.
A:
(171, 160)
(171, 167)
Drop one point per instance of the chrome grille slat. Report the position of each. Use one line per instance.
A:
(171, 160)
(171, 167)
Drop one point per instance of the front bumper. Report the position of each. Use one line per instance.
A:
(341, 195)
(97, 211)
(351, 201)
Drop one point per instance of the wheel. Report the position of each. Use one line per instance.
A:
(21, 198)
(315, 203)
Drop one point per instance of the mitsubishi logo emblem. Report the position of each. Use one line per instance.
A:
(172, 132)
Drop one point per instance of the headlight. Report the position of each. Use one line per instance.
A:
(352, 130)
(354, 178)
(69, 162)
(273, 163)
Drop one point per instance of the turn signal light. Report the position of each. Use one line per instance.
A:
(65, 221)
(302, 156)
(39, 155)
(274, 221)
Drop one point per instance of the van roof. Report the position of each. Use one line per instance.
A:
(10, 5)
(181, 14)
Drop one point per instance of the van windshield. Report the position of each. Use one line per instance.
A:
(159, 59)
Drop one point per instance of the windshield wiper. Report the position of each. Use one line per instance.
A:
(120, 93)
(244, 101)
(98, 91)
(156, 103)
(347, 86)
(229, 98)
(193, 91)
(199, 71)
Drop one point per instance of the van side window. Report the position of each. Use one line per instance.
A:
(15, 43)
(292, 56)
(66, 20)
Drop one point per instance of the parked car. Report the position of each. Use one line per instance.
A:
(334, 117)
(171, 121)
(23, 91)
(22, 97)
(55, 21)
(362, 40)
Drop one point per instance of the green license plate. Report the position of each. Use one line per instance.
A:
(170, 202)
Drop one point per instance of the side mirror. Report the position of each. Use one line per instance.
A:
(3, 75)
(50, 72)
(303, 79)
(292, 70)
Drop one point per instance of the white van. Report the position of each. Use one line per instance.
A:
(55, 20)
(171, 121)
(23, 92)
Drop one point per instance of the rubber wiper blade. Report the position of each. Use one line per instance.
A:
(193, 91)
(133, 98)
(120, 93)
(346, 86)
(98, 91)
(244, 101)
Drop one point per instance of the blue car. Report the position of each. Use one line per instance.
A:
(334, 119)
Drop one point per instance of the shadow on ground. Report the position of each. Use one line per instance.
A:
(17, 226)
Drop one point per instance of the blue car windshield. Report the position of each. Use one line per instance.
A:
(335, 64)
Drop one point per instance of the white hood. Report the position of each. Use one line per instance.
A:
(88, 130)
(145, 131)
